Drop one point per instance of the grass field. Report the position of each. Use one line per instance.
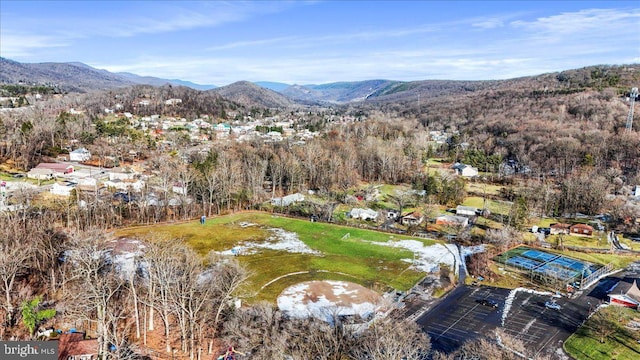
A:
(496, 207)
(480, 188)
(345, 253)
(622, 344)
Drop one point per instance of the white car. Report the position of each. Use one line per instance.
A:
(552, 305)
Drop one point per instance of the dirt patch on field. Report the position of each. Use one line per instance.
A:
(327, 299)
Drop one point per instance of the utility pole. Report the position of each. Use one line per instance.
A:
(632, 98)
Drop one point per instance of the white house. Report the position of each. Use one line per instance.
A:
(465, 170)
(179, 188)
(172, 101)
(81, 154)
(364, 214)
(122, 174)
(287, 200)
(414, 218)
(135, 185)
(466, 211)
(63, 188)
(636, 191)
(40, 174)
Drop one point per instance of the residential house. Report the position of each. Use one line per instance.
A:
(581, 229)
(452, 220)
(287, 200)
(40, 174)
(57, 169)
(81, 154)
(179, 188)
(560, 228)
(364, 214)
(636, 191)
(466, 211)
(465, 170)
(393, 214)
(414, 218)
(173, 101)
(63, 188)
(125, 185)
(122, 174)
(626, 293)
(74, 346)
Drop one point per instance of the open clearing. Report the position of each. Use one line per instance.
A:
(281, 252)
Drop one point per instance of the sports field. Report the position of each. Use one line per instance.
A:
(281, 251)
(542, 264)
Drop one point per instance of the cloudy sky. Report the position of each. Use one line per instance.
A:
(303, 42)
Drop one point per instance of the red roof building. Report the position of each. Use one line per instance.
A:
(73, 346)
(56, 168)
(626, 293)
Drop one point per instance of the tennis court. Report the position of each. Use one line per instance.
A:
(545, 266)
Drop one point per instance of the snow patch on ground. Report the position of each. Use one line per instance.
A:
(325, 300)
(512, 295)
(281, 240)
(427, 258)
(470, 250)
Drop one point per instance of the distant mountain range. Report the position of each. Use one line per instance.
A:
(79, 77)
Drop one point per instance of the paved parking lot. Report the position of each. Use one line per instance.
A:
(540, 328)
(461, 317)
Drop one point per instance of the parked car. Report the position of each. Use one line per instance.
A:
(552, 305)
(487, 302)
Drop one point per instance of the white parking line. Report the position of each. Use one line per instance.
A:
(457, 321)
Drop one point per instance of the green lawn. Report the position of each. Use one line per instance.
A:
(496, 207)
(480, 188)
(622, 344)
(345, 252)
(596, 241)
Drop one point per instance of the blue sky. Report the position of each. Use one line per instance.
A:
(303, 42)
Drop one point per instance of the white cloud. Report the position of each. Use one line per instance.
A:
(488, 24)
(23, 45)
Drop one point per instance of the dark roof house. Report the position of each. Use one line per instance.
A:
(73, 346)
